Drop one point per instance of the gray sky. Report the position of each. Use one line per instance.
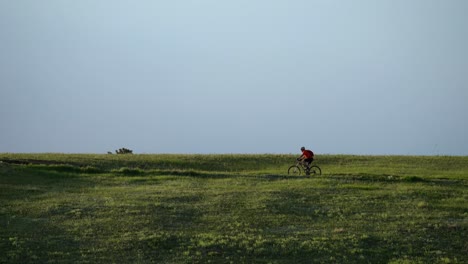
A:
(244, 76)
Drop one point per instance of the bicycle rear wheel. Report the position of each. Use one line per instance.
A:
(294, 170)
(315, 170)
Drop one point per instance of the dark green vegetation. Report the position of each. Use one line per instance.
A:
(58, 208)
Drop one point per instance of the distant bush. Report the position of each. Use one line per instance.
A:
(90, 169)
(57, 167)
(124, 151)
(129, 171)
(413, 179)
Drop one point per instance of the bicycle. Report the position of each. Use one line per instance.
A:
(300, 166)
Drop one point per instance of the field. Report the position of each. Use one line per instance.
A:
(64, 208)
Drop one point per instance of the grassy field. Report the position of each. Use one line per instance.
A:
(63, 208)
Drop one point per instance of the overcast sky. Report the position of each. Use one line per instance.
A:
(243, 76)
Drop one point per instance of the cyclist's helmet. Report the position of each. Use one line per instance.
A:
(302, 148)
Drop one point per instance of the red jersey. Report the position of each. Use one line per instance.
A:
(308, 154)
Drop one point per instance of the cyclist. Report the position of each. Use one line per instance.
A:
(307, 157)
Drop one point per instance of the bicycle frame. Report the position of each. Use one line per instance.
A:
(302, 164)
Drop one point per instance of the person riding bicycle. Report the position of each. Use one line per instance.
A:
(307, 157)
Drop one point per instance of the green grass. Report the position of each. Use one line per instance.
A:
(232, 209)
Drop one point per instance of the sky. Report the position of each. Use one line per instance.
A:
(364, 77)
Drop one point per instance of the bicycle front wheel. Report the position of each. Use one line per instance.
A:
(315, 170)
(294, 170)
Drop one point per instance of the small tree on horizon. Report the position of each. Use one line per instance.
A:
(124, 151)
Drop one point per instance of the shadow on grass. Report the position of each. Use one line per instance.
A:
(35, 180)
(392, 178)
(200, 174)
(68, 171)
(30, 240)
